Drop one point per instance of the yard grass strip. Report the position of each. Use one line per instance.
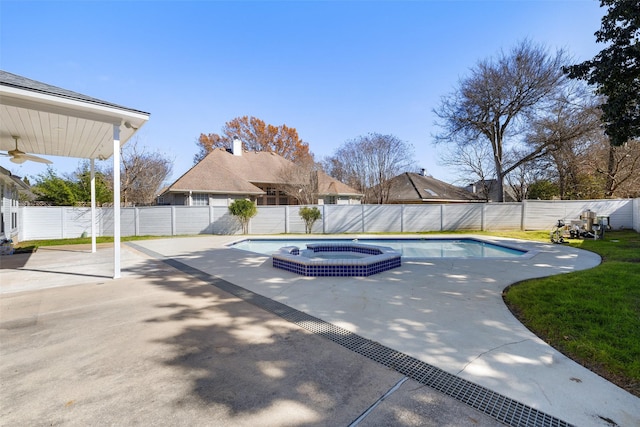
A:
(592, 316)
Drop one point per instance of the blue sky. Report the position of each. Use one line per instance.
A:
(333, 70)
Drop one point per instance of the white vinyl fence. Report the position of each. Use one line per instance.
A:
(68, 222)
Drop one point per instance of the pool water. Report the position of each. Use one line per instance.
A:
(409, 248)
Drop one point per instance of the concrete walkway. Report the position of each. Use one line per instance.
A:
(237, 364)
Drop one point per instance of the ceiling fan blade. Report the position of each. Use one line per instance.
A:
(35, 159)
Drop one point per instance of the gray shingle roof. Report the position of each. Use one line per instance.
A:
(415, 188)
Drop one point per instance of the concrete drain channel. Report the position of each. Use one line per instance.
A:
(501, 408)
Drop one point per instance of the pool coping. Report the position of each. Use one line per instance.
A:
(528, 253)
(377, 260)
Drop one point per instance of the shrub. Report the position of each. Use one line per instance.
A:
(243, 210)
(310, 216)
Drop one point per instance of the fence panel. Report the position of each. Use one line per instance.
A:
(269, 220)
(382, 218)
(416, 218)
(191, 219)
(41, 222)
(502, 216)
(76, 222)
(343, 219)
(543, 214)
(224, 222)
(155, 220)
(296, 223)
(462, 216)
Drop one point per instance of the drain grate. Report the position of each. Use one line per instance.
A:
(502, 408)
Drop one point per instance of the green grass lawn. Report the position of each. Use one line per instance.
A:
(592, 316)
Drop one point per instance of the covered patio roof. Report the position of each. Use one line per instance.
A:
(53, 121)
(49, 120)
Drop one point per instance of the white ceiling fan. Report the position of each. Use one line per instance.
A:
(17, 156)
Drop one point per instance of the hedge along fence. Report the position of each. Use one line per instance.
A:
(68, 222)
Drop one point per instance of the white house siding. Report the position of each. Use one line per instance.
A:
(10, 212)
(636, 215)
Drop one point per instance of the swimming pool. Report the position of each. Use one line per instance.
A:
(409, 248)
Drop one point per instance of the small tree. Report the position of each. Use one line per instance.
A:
(243, 210)
(310, 216)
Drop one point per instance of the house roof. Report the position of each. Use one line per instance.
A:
(333, 187)
(416, 188)
(9, 178)
(221, 172)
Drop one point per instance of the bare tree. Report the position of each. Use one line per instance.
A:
(368, 163)
(563, 133)
(142, 174)
(619, 166)
(498, 99)
(472, 162)
(301, 181)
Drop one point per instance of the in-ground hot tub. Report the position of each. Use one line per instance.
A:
(337, 259)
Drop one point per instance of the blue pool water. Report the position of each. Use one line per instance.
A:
(409, 248)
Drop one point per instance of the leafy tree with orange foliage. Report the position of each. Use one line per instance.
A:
(256, 135)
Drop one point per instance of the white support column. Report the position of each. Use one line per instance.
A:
(116, 201)
(93, 205)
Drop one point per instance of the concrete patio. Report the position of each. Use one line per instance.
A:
(164, 347)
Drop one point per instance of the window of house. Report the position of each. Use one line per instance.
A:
(199, 199)
(271, 191)
(271, 201)
(330, 200)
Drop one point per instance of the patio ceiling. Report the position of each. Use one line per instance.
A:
(53, 121)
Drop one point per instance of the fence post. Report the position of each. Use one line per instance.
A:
(173, 220)
(211, 218)
(522, 215)
(482, 213)
(362, 219)
(324, 219)
(442, 217)
(402, 218)
(63, 219)
(286, 219)
(136, 221)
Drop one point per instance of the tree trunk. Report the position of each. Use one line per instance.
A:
(608, 191)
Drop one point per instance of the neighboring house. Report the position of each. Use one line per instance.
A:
(411, 188)
(11, 187)
(488, 190)
(224, 176)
